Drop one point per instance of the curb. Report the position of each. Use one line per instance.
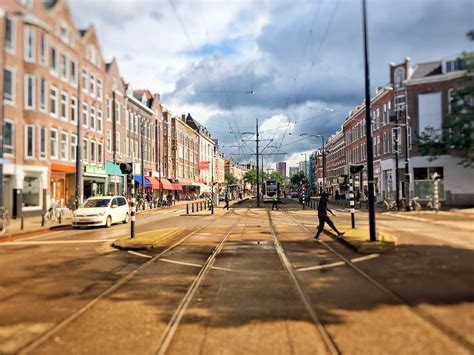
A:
(365, 247)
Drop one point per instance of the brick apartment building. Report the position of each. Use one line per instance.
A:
(281, 168)
(422, 93)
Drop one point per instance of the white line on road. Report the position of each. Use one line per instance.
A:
(339, 263)
(139, 254)
(50, 242)
(179, 262)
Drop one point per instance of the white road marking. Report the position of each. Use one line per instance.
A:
(367, 257)
(50, 242)
(338, 263)
(323, 266)
(139, 254)
(179, 262)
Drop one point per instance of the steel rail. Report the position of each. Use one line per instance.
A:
(424, 316)
(328, 341)
(31, 346)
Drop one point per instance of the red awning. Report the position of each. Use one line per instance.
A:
(177, 187)
(166, 185)
(154, 182)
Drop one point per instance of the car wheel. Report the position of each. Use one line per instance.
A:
(125, 221)
(108, 222)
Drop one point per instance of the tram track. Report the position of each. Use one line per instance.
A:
(415, 310)
(37, 342)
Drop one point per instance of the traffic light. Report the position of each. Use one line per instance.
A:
(126, 168)
(354, 169)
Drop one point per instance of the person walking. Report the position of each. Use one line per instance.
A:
(275, 202)
(323, 217)
(227, 199)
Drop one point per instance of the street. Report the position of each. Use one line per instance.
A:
(247, 280)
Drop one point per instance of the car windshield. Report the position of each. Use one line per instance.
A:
(101, 202)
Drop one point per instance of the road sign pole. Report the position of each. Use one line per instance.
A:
(351, 200)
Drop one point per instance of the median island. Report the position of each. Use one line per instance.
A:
(149, 240)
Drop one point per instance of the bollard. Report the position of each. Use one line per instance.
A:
(192, 207)
(351, 200)
(60, 217)
(201, 205)
(212, 208)
(187, 209)
(22, 221)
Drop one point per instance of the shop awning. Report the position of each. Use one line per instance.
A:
(177, 187)
(166, 185)
(138, 178)
(155, 183)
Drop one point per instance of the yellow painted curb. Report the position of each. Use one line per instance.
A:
(148, 240)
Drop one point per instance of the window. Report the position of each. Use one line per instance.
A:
(100, 153)
(127, 147)
(93, 118)
(399, 102)
(64, 100)
(99, 89)
(398, 77)
(8, 86)
(378, 145)
(109, 109)
(85, 115)
(384, 114)
(85, 77)
(43, 142)
(63, 64)
(8, 137)
(109, 141)
(31, 191)
(73, 73)
(92, 85)
(99, 121)
(385, 143)
(43, 49)
(64, 145)
(53, 107)
(10, 33)
(43, 95)
(53, 139)
(30, 34)
(396, 137)
(73, 147)
(29, 141)
(93, 152)
(118, 142)
(85, 149)
(73, 109)
(430, 112)
(53, 60)
(30, 83)
(117, 112)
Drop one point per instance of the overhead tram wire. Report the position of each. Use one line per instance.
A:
(224, 91)
(312, 65)
(183, 28)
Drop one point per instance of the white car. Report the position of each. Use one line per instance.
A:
(101, 211)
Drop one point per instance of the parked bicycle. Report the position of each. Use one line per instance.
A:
(55, 214)
(433, 205)
(414, 204)
(4, 220)
(389, 205)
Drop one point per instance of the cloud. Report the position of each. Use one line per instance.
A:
(296, 56)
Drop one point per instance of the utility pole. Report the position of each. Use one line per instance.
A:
(78, 145)
(407, 160)
(324, 164)
(258, 174)
(114, 141)
(142, 167)
(368, 128)
(397, 183)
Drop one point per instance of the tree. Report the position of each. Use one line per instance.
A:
(230, 178)
(457, 133)
(299, 178)
(277, 176)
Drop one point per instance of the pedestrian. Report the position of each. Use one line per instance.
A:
(227, 199)
(169, 199)
(323, 217)
(275, 202)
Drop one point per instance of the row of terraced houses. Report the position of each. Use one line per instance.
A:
(60, 96)
(415, 98)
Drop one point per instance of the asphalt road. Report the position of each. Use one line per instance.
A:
(250, 281)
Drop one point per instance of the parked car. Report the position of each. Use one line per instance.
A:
(101, 211)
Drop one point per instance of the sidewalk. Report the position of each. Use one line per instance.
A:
(32, 225)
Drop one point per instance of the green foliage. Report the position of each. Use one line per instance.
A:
(457, 134)
(277, 176)
(298, 178)
(230, 178)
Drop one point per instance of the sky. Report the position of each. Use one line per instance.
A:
(295, 65)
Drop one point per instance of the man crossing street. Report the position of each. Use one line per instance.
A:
(323, 217)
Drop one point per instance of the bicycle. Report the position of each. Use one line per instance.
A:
(389, 205)
(432, 205)
(4, 220)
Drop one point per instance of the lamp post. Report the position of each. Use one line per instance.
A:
(142, 158)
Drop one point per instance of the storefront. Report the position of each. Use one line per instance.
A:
(116, 180)
(62, 184)
(95, 178)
